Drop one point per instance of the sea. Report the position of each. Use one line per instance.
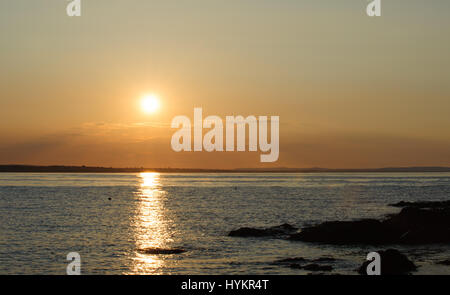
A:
(108, 218)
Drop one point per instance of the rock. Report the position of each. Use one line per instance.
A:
(444, 262)
(324, 259)
(295, 262)
(285, 226)
(317, 267)
(312, 267)
(275, 231)
(423, 204)
(160, 251)
(420, 226)
(392, 263)
(295, 265)
(412, 225)
(248, 232)
(367, 231)
(290, 260)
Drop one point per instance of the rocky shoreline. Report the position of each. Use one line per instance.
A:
(417, 223)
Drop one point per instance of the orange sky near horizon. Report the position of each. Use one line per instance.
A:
(351, 91)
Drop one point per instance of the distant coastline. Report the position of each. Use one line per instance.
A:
(91, 169)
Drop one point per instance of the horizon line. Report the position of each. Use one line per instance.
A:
(102, 169)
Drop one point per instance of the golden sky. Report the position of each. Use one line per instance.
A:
(351, 91)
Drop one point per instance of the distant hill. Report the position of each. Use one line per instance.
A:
(318, 169)
(87, 169)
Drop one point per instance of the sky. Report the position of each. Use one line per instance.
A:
(351, 91)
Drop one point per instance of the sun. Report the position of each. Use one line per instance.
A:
(150, 103)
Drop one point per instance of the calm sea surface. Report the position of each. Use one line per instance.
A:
(44, 216)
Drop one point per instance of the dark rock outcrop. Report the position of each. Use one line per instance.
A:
(160, 251)
(275, 231)
(423, 204)
(295, 265)
(420, 226)
(324, 259)
(367, 231)
(290, 260)
(413, 225)
(392, 262)
(317, 267)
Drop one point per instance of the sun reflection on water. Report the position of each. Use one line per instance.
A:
(150, 225)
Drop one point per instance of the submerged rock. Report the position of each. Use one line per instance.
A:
(160, 251)
(303, 263)
(275, 231)
(392, 262)
(312, 267)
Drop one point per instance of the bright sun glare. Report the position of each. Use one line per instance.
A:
(150, 103)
